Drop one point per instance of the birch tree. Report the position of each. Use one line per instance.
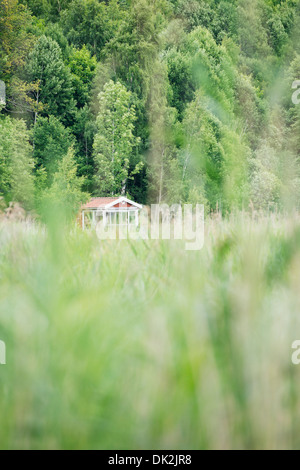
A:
(115, 141)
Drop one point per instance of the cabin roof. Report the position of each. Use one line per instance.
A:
(99, 202)
(107, 202)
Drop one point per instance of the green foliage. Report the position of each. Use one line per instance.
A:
(65, 195)
(91, 23)
(253, 36)
(201, 63)
(82, 67)
(181, 79)
(38, 7)
(55, 32)
(214, 156)
(114, 141)
(84, 130)
(266, 186)
(15, 41)
(46, 65)
(203, 153)
(131, 52)
(250, 109)
(47, 9)
(51, 142)
(163, 170)
(16, 162)
(219, 17)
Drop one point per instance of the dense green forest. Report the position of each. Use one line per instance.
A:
(162, 100)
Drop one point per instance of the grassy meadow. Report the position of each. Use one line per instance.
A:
(143, 345)
(132, 345)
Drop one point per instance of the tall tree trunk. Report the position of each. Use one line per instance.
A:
(124, 184)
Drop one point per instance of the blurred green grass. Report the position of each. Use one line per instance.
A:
(142, 345)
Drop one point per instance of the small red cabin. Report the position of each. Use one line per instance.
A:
(110, 211)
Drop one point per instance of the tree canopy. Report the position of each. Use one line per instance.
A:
(169, 101)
